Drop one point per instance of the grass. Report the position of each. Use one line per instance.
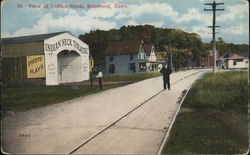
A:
(213, 118)
(27, 98)
(131, 77)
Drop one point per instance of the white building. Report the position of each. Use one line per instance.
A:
(152, 65)
(45, 59)
(237, 62)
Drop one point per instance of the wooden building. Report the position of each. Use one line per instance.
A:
(125, 57)
(44, 59)
(152, 64)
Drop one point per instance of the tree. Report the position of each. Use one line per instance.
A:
(161, 38)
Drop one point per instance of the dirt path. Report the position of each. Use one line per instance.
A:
(61, 128)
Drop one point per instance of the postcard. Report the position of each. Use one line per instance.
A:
(124, 76)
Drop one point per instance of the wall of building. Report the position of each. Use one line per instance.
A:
(22, 49)
(14, 72)
(121, 63)
(241, 63)
(14, 63)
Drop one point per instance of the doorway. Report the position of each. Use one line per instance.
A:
(69, 65)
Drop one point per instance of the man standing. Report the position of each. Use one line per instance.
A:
(166, 73)
(99, 76)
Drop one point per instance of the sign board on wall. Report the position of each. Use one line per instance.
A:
(35, 66)
(65, 42)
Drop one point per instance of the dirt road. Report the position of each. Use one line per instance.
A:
(66, 127)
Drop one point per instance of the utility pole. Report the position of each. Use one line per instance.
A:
(214, 5)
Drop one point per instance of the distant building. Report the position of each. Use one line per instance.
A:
(151, 64)
(125, 57)
(237, 62)
(44, 59)
(207, 59)
(221, 62)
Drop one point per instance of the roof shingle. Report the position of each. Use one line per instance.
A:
(123, 47)
(148, 49)
(235, 57)
(31, 38)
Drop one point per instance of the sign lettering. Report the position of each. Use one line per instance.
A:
(35, 66)
(65, 43)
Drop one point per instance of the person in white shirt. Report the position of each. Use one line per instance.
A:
(100, 76)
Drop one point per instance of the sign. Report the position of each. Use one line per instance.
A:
(65, 43)
(35, 66)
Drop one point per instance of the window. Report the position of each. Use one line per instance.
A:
(131, 57)
(111, 58)
(141, 56)
(234, 63)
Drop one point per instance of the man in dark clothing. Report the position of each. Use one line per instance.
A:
(166, 72)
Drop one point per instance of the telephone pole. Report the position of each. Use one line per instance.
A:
(214, 5)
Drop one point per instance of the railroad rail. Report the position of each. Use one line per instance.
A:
(126, 114)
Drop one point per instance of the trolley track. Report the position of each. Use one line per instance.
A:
(126, 114)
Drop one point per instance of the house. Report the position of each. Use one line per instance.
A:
(237, 62)
(125, 57)
(151, 64)
(44, 59)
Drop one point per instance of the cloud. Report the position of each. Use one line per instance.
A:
(193, 14)
(202, 30)
(236, 30)
(121, 16)
(156, 24)
(148, 8)
(131, 22)
(233, 12)
(71, 22)
(234, 20)
(102, 12)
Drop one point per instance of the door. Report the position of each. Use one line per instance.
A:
(66, 73)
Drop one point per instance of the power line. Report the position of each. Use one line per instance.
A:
(214, 9)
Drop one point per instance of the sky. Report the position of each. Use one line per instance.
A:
(19, 18)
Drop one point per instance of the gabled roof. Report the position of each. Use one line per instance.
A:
(31, 38)
(123, 47)
(235, 57)
(148, 49)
